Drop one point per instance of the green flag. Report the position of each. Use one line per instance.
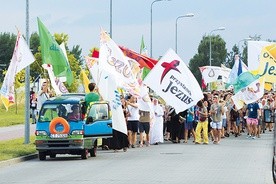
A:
(53, 55)
(143, 51)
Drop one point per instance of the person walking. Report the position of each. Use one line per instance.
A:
(132, 115)
(33, 105)
(202, 124)
(144, 104)
(216, 112)
(157, 127)
(188, 124)
(252, 113)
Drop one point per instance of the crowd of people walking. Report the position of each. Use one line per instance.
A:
(212, 119)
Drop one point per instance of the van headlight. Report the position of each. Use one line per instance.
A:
(77, 132)
(40, 132)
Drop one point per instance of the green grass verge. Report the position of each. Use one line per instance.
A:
(16, 148)
(14, 116)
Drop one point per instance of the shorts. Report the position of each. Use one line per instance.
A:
(216, 125)
(224, 123)
(132, 125)
(144, 116)
(238, 121)
(189, 125)
(252, 121)
(145, 126)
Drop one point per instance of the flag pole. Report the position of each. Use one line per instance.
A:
(27, 83)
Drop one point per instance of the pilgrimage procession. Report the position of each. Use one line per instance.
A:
(118, 100)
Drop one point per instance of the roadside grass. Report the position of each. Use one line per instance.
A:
(14, 116)
(16, 148)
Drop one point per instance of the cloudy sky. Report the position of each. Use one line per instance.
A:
(82, 20)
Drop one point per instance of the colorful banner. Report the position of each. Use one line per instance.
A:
(248, 94)
(143, 61)
(267, 67)
(172, 80)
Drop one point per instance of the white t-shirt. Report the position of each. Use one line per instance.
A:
(134, 113)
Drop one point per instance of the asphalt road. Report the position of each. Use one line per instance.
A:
(234, 160)
(16, 131)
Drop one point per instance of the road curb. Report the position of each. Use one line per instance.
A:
(17, 160)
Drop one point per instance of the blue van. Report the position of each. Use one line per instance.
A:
(66, 126)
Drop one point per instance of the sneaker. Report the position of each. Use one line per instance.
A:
(147, 144)
(253, 137)
(249, 136)
(132, 146)
(140, 145)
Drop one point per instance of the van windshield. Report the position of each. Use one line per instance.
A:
(70, 112)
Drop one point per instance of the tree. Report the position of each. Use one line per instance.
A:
(7, 43)
(76, 51)
(219, 53)
(230, 57)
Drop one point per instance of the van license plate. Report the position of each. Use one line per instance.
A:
(55, 136)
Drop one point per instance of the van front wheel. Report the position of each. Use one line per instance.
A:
(42, 156)
(84, 154)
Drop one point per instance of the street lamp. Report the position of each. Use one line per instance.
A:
(245, 39)
(110, 22)
(210, 55)
(151, 24)
(182, 16)
(27, 83)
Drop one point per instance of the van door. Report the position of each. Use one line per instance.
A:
(98, 121)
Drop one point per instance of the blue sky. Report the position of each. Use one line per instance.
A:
(82, 20)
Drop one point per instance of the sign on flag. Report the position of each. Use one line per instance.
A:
(267, 63)
(172, 80)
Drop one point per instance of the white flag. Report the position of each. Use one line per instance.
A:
(113, 60)
(172, 80)
(210, 73)
(108, 90)
(21, 58)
